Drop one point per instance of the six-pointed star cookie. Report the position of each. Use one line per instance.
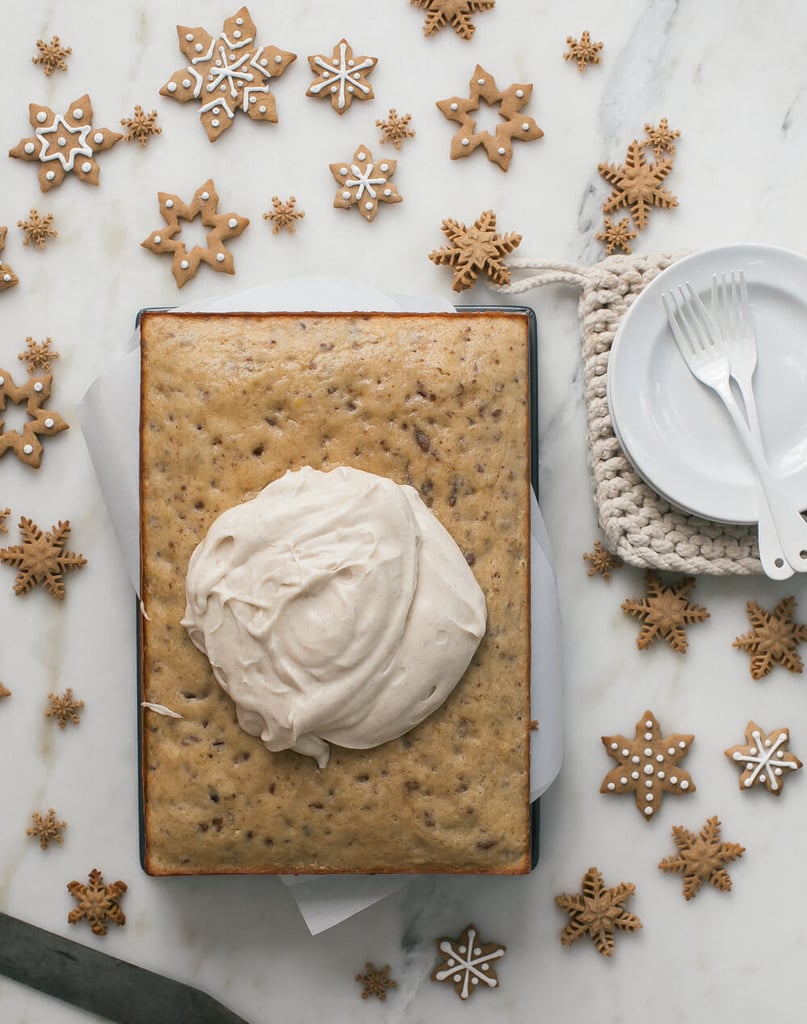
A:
(64, 143)
(7, 276)
(597, 911)
(41, 422)
(476, 250)
(222, 227)
(341, 77)
(764, 758)
(701, 858)
(648, 765)
(226, 73)
(467, 963)
(41, 558)
(514, 125)
(365, 183)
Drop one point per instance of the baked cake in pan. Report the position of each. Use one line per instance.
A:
(231, 402)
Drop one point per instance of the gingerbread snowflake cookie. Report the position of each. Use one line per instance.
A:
(513, 126)
(41, 558)
(364, 183)
(41, 422)
(52, 56)
(227, 73)
(583, 51)
(764, 758)
(774, 638)
(476, 250)
(701, 858)
(221, 228)
(65, 143)
(98, 902)
(456, 13)
(665, 612)
(648, 765)
(341, 77)
(597, 911)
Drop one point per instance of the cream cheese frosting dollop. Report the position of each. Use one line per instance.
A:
(333, 607)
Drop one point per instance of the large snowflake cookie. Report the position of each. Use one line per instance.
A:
(476, 250)
(456, 13)
(513, 124)
(774, 638)
(701, 858)
(226, 73)
(467, 963)
(648, 765)
(665, 612)
(598, 911)
(364, 182)
(221, 227)
(341, 77)
(64, 143)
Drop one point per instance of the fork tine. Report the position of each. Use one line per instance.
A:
(681, 338)
(744, 305)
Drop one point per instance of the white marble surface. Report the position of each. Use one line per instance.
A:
(732, 77)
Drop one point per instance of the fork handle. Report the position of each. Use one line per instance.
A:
(788, 523)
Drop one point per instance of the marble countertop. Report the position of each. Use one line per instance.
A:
(732, 78)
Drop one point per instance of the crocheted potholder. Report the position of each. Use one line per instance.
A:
(637, 524)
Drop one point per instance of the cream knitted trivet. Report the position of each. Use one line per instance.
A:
(637, 524)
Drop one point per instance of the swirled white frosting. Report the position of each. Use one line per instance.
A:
(333, 608)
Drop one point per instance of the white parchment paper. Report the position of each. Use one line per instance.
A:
(109, 416)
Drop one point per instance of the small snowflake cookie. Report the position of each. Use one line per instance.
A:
(468, 963)
(583, 51)
(65, 143)
(648, 765)
(98, 903)
(364, 183)
(512, 126)
(227, 73)
(764, 758)
(52, 55)
(221, 228)
(341, 77)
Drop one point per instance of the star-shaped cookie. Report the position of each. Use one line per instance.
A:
(513, 125)
(764, 758)
(65, 143)
(468, 963)
(665, 612)
(597, 911)
(41, 422)
(476, 250)
(341, 77)
(648, 765)
(701, 858)
(222, 227)
(774, 638)
(364, 183)
(227, 73)
(7, 276)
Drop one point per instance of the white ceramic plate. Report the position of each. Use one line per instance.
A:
(675, 430)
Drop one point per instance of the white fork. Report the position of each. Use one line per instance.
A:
(782, 530)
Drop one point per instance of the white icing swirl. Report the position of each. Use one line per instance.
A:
(333, 608)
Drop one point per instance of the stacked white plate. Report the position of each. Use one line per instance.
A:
(676, 431)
